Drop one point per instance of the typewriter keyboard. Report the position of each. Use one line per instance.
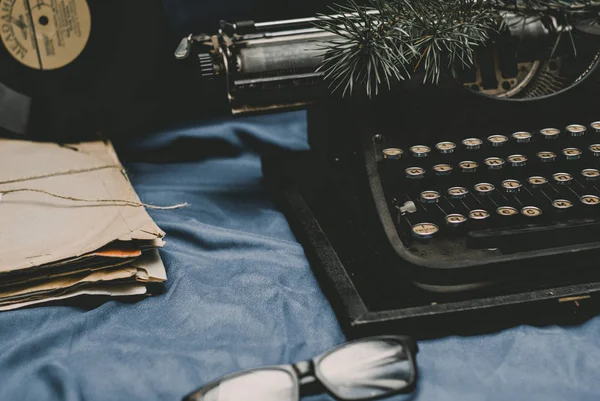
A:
(507, 191)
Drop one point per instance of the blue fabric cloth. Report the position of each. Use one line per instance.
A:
(241, 294)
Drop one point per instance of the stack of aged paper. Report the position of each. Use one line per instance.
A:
(71, 224)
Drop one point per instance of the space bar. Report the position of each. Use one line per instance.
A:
(536, 237)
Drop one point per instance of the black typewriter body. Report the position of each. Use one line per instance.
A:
(346, 200)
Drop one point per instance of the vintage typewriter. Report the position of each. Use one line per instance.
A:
(478, 194)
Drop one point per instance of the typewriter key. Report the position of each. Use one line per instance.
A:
(420, 150)
(589, 200)
(517, 160)
(506, 211)
(590, 174)
(561, 205)
(562, 178)
(546, 156)
(576, 130)
(550, 133)
(522, 136)
(596, 126)
(595, 149)
(468, 166)
(415, 173)
(455, 220)
(430, 196)
(537, 181)
(494, 163)
(497, 140)
(479, 214)
(442, 169)
(458, 192)
(392, 153)
(511, 186)
(571, 153)
(531, 211)
(424, 230)
(484, 188)
(445, 147)
(472, 143)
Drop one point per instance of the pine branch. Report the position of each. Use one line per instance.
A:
(388, 41)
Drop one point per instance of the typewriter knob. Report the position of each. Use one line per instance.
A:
(517, 160)
(442, 169)
(595, 126)
(497, 140)
(479, 214)
(472, 143)
(423, 231)
(546, 156)
(420, 151)
(595, 149)
(522, 136)
(506, 211)
(392, 153)
(571, 153)
(576, 130)
(590, 174)
(550, 133)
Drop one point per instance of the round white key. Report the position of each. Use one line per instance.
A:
(506, 211)
(595, 126)
(442, 169)
(455, 219)
(562, 178)
(472, 143)
(546, 156)
(430, 196)
(531, 211)
(589, 200)
(458, 192)
(392, 153)
(445, 147)
(576, 130)
(562, 205)
(537, 180)
(522, 136)
(415, 173)
(595, 149)
(494, 163)
(590, 174)
(479, 214)
(468, 166)
(550, 133)
(420, 151)
(511, 185)
(517, 160)
(484, 188)
(497, 140)
(424, 230)
(571, 153)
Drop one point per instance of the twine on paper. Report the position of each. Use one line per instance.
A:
(108, 202)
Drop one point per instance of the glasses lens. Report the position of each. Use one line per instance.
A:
(256, 385)
(364, 369)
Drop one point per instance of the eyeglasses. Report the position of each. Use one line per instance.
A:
(364, 369)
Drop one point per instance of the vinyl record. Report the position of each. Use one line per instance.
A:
(60, 63)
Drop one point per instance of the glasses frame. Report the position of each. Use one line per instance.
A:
(301, 370)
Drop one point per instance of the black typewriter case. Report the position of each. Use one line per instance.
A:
(331, 196)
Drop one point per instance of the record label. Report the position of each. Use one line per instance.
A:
(45, 34)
